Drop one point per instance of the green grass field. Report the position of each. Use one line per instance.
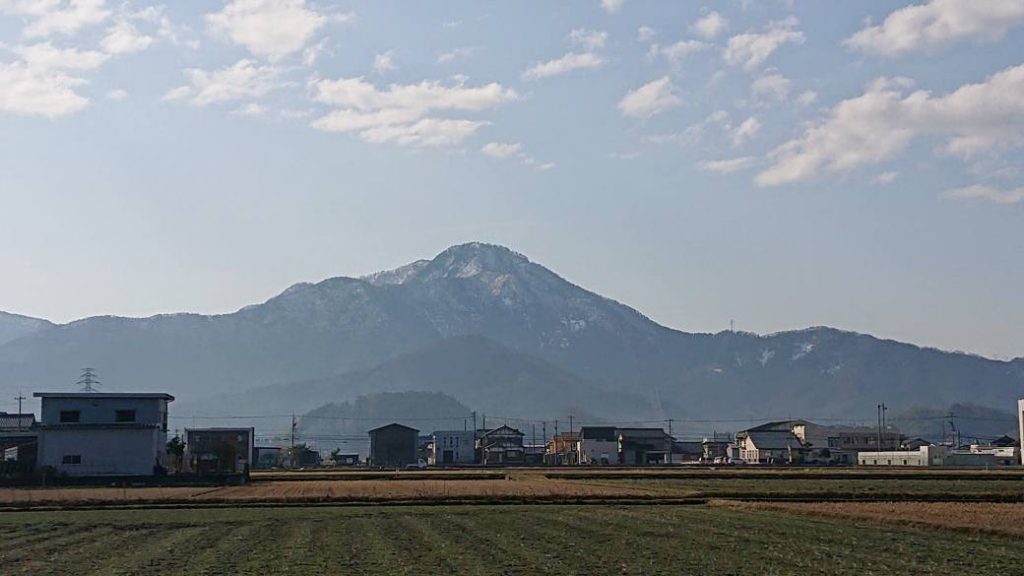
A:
(485, 540)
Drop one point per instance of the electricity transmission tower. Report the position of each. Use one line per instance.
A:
(88, 380)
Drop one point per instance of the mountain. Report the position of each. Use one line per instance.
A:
(477, 315)
(487, 376)
(14, 326)
(348, 422)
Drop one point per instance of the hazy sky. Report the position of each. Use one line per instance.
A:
(783, 164)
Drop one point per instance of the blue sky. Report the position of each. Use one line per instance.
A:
(782, 164)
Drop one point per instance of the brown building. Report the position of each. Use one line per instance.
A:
(501, 446)
(214, 451)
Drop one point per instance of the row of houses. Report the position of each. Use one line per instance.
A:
(397, 445)
(116, 434)
(789, 442)
(125, 434)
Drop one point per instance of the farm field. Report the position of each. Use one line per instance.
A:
(529, 486)
(486, 540)
(975, 517)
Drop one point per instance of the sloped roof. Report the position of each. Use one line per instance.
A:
(608, 433)
(393, 425)
(772, 440)
(15, 422)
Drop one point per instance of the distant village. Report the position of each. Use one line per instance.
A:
(103, 434)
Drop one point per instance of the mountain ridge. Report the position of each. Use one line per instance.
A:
(339, 325)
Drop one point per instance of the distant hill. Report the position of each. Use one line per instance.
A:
(975, 423)
(14, 326)
(494, 329)
(425, 411)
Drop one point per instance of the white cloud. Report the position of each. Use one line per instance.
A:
(885, 177)
(650, 99)
(982, 192)
(124, 38)
(937, 24)
(44, 56)
(507, 150)
(771, 87)
(645, 34)
(272, 29)
(400, 113)
(502, 149)
(879, 125)
(807, 98)
(747, 130)
(49, 17)
(244, 79)
(710, 26)
(117, 94)
(428, 95)
(612, 6)
(728, 166)
(455, 54)
(589, 39)
(568, 63)
(383, 63)
(428, 132)
(677, 52)
(28, 90)
(250, 109)
(751, 49)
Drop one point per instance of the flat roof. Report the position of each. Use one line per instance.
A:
(101, 395)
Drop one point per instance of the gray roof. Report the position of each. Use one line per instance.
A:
(91, 395)
(393, 425)
(772, 440)
(15, 422)
(599, 433)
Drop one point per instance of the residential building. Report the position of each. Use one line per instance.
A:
(18, 443)
(214, 451)
(393, 446)
(715, 450)
(1020, 420)
(501, 446)
(452, 447)
(757, 446)
(599, 445)
(923, 456)
(269, 457)
(562, 449)
(103, 433)
(643, 446)
(687, 451)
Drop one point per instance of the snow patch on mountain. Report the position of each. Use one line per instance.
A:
(803, 349)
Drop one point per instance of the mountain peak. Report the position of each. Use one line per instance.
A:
(459, 261)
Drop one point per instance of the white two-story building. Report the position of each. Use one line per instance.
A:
(103, 434)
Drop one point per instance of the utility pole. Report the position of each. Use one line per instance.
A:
(884, 408)
(474, 423)
(879, 416)
(533, 432)
(570, 440)
(19, 398)
(668, 440)
(293, 440)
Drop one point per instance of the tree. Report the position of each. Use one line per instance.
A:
(176, 452)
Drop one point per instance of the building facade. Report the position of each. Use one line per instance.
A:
(599, 445)
(103, 434)
(452, 447)
(923, 456)
(214, 451)
(393, 446)
(501, 446)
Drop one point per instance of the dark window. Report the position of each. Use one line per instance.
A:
(125, 416)
(67, 416)
(72, 459)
